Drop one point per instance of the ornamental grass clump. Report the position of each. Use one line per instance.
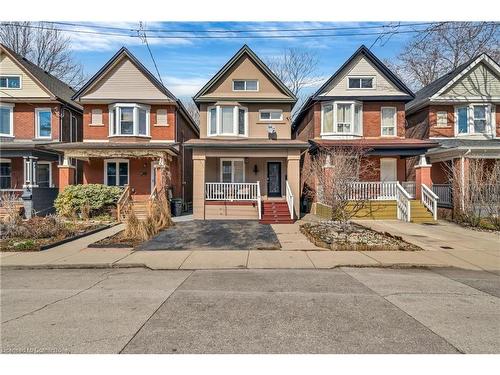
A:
(158, 218)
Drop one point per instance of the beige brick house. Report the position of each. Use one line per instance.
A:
(245, 164)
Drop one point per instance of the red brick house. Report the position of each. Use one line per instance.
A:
(132, 126)
(460, 111)
(363, 105)
(36, 112)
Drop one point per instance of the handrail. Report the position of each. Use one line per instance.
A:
(371, 190)
(289, 199)
(122, 202)
(231, 191)
(429, 199)
(259, 200)
(403, 203)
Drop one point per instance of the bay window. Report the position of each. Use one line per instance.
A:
(227, 120)
(43, 119)
(129, 119)
(341, 118)
(474, 119)
(232, 170)
(6, 120)
(388, 121)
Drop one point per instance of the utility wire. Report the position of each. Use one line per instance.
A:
(142, 35)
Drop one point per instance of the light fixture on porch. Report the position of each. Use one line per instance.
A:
(255, 169)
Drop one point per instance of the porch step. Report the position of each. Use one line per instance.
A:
(275, 212)
(419, 213)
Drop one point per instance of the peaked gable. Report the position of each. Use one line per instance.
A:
(480, 81)
(245, 65)
(123, 77)
(364, 63)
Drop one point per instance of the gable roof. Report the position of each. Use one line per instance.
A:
(442, 83)
(49, 83)
(364, 51)
(124, 52)
(245, 50)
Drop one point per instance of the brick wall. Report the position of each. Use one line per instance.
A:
(24, 120)
(372, 125)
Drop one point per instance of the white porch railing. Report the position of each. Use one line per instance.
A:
(410, 187)
(361, 190)
(289, 199)
(429, 200)
(234, 191)
(403, 203)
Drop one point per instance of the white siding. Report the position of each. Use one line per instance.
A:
(124, 81)
(29, 88)
(361, 67)
(480, 81)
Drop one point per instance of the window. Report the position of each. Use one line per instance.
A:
(442, 119)
(246, 85)
(342, 118)
(129, 120)
(10, 82)
(43, 174)
(116, 172)
(43, 118)
(161, 117)
(388, 115)
(5, 177)
(227, 120)
(232, 170)
(474, 119)
(6, 119)
(96, 116)
(271, 115)
(360, 82)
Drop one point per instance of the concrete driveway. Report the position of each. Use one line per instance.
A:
(347, 310)
(215, 235)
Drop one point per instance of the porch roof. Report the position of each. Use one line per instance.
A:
(453, 147)
(260, 143)
(13, 149)
(117, 149)
(380, 147)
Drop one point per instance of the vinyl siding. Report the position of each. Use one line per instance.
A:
(480, 81)
(29, 88)
(361, 67)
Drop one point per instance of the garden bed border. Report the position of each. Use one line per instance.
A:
(77, 237)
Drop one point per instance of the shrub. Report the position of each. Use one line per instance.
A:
(89, 200)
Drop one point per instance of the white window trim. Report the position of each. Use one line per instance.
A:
(353, 103)
(490, 118)
(37, 124)
(232, 160)
(13, 88)
(218, 117)
(135, 107)
(395, 122)
(92, 123)
(11, 130)
(374, 83)
(245, 89)
(51, 183)
(270, 119)
(107, 161)
(166, 117)
(437, 119)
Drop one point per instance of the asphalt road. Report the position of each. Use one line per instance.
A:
(348, 310)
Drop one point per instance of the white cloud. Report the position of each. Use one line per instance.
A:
(184, 87)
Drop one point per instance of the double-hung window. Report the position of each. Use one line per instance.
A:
(6, 120)
(43, 120)
(43, 174)
(10, 82)
(232, 170)
(227, 120)
(116, 172)
(129, 119)
(389, 121)
(245, 85)
(5, 175)
(442, 119)
(474, 119)
(341, 119)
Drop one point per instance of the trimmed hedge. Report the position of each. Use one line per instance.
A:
(90, 199)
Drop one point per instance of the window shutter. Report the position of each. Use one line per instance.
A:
(161, 117)
(96, 116)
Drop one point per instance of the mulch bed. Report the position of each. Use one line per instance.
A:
(117, 240)
(330, 235)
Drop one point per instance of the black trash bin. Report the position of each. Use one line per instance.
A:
(176, 206)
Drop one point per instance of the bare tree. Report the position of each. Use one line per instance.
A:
(441, 47)
(297, 68)
(332, 173)
(44, 45)
(192, 109)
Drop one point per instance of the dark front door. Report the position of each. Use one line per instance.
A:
(273, 179)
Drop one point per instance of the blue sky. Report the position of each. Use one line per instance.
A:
(186, 64)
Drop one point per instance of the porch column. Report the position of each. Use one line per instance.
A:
(293, 176)
(29, 169)
(422, 176)
(198, 186)
(66, 174)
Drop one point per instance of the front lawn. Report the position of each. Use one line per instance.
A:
(331, 235)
